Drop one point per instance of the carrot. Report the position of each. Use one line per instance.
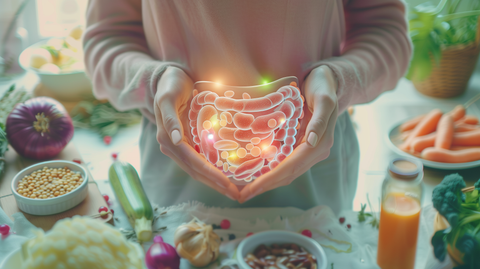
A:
(422, 142)
(450, 156)
(445, 130)
(403, 136)
(410, 124)
(458, 112)
(471, 138)
(461, 148)
(469, 119)
(463, 127)
(426, 126)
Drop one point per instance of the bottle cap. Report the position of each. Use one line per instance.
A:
(405, 168)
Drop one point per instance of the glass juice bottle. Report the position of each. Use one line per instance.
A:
(400, 214)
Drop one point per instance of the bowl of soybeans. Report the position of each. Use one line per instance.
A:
(51, 187)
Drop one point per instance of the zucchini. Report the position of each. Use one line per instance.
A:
(130, 193)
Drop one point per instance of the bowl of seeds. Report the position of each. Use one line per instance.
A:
(49, 188)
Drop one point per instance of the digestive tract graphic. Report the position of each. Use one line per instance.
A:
(246, 137)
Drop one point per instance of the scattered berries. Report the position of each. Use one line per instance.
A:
(349, 226)
(4, 229)
(307, 233)
(248, 234)
(225, 224)
(113, 212)
(102, 209)
(342, 220)
(107, 139)
(105, 196)
(77, 161)
(114, 156)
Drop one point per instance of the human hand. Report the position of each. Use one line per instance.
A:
(174, 91)
(318, 126)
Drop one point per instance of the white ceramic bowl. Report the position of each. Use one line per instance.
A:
(249, 244)
(67, 86)
(52, 205)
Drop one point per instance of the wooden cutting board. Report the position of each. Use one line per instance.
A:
(15, 163)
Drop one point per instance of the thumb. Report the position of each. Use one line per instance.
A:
(170, 121)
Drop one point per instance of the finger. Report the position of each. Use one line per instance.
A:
(170, 120)
(298, 162)
(185, 154)
(323, 107)
(231, 191)
(282, 172)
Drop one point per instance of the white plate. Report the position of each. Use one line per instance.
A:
(14, 260)
(393, 139)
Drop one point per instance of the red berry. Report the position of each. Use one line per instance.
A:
(225, 224)
(107, 139)
(307, 233)
(77, 161)
(102, 209)
(114, 156)
(113, 212)
(248, 234)
(4, 229)
(342, 220)
(349, 226)
(105, 196)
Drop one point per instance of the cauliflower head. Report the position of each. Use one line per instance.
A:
(81, 243)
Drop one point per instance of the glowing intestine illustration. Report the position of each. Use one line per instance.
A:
(245, 131)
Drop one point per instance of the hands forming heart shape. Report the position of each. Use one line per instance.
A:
(251, 137)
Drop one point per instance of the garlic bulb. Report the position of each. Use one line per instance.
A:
(196, 242)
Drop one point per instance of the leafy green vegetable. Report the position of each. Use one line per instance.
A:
(102, 117)
(462, 211)
(430, 31)
(11, 97)
(3, 147)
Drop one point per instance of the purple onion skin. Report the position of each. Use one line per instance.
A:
(31, 142)
(161, 255)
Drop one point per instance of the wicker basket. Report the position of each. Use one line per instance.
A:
(450, 78)
(440, 223)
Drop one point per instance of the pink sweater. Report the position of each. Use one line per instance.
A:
(129, 43)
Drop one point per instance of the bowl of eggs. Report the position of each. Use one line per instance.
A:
(59, 63)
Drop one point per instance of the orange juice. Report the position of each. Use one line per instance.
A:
(397, 242)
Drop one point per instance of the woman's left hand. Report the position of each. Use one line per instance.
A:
(321, 100)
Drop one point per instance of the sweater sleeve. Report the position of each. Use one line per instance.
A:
(117, 57)
(376, 51)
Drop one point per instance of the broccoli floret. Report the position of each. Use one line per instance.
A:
(447, 197)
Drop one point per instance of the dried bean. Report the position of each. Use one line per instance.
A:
(270, 257)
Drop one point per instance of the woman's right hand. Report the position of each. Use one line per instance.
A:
(174, 92)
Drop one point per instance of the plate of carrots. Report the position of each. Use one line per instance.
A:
(439, 140)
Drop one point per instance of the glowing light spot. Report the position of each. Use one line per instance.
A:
(214, 120)
(210, 136)
(282, 121)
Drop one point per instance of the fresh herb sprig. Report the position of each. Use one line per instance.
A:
(363, 216)
(3, 147)
(102, 117)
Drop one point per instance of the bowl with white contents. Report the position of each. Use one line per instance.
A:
(58, 61)
(282, 250)
(50, 187)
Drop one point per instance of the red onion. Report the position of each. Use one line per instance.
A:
(39, 128)
(161, 255)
